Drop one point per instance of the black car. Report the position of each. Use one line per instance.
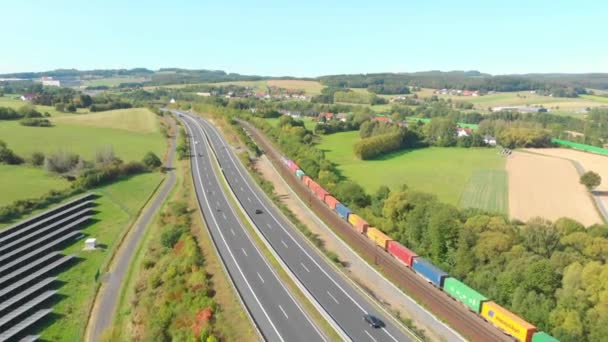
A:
(258, 211)
(373, 321)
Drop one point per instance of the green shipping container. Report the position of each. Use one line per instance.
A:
(543, 337)
(463, 293)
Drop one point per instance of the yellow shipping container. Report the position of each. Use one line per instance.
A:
(378, 237)
(507, 321)
(353, 219)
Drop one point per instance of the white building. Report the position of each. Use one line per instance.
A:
(490, 140)
(50, 82)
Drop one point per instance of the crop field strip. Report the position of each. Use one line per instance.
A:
(27, 277)
(487, 190)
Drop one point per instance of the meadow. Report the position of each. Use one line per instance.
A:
(130, 136)
(18, 182)
(448, 173)
(112, 81)
(310, 87)
(13, 101)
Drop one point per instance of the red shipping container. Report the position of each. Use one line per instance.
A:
(306, 180)
(331, 201)
(312, 185)
(400, 252)
(321, 193)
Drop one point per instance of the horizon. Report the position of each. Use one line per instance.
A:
(275, 39)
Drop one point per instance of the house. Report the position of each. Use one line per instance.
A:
(342, 117)
(383, 119)
(463, 132)
(520, 109)
(470, 93)
(50, 82)
(204, 94)
(28, 97)
(327, 115)
(489, 140)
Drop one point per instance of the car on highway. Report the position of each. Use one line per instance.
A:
(258, 211)
(373, 321)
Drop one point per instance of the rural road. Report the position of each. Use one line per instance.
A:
(104, 308)
(341, 301)
(277, 315)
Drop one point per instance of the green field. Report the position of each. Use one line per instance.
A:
(19, 182)
(112, 81)
(85, 138)
(117, 207)
(487, 189)
(13, 101)
(445, 172)
(309, 87)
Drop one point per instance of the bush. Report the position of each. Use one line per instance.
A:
(132, 168)
(37, 159)
(171, 235)
(61, 162)
(35, 122)
(377, 145)
(151, 161)
(105, 156)
(7, 156)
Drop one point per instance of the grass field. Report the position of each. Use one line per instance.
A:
(309, 87)
(117, 207)
(487, 190)
(13, 101)
(77, 134)
(138, 120)
(112, 81)
(445, 172)
(19, 182)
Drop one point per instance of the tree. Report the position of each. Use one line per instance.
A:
(85, 100)
(591, 180)
(37, 158)
(151, 160)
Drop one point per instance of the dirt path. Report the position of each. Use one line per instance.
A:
(547, 187)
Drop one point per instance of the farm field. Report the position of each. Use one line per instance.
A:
(13, 101)
(111, 81)
(589, 162)
(117, 208)
(20, 182)
(310, 87)
(487, 190)
(79, 134)
(445, 172)
(547, 187)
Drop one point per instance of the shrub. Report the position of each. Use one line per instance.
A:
(61, 162)
(151, 160)
(35, 122)
(7, 156)
(132, 168)
(105, 156)
(377, 145)
(37, 159)
(171, 235)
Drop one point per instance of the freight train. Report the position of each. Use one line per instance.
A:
(493, 313)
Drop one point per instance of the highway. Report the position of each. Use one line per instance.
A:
(277, 315)
(344, 304)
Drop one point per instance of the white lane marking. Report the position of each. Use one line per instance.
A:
(243, 249)
(284, 313)
(241, 189)
(249, 199)
(284, 244)
(370, 336)
(304, 266)
(260, 253)
(332, 297)
(224, 215)
(259, 276)
(232, 255)
(232, 231)
(217, 203)
(389, 334)
(269, 226)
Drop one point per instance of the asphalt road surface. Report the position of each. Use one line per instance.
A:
(107, 298)
(276, 313)
(345, 304)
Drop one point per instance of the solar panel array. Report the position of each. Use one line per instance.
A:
(30, 257)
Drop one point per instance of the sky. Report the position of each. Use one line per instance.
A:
(307, 38)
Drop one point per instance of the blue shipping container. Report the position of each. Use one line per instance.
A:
(342, 210)
(429, 271)
(300, 173)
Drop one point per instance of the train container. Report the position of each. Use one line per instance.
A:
(306, 180)
(331, 201)
(300, 174)
(312, 185)
(320, 193)
(342, 210)
(543, 337)
(401, 252)
(294, 167)
(378, 237)
(463, 293)
(429, 271)
(507, 321)
(357, 222)
(290, 164)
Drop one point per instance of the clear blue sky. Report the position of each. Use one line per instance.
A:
(307, 38)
